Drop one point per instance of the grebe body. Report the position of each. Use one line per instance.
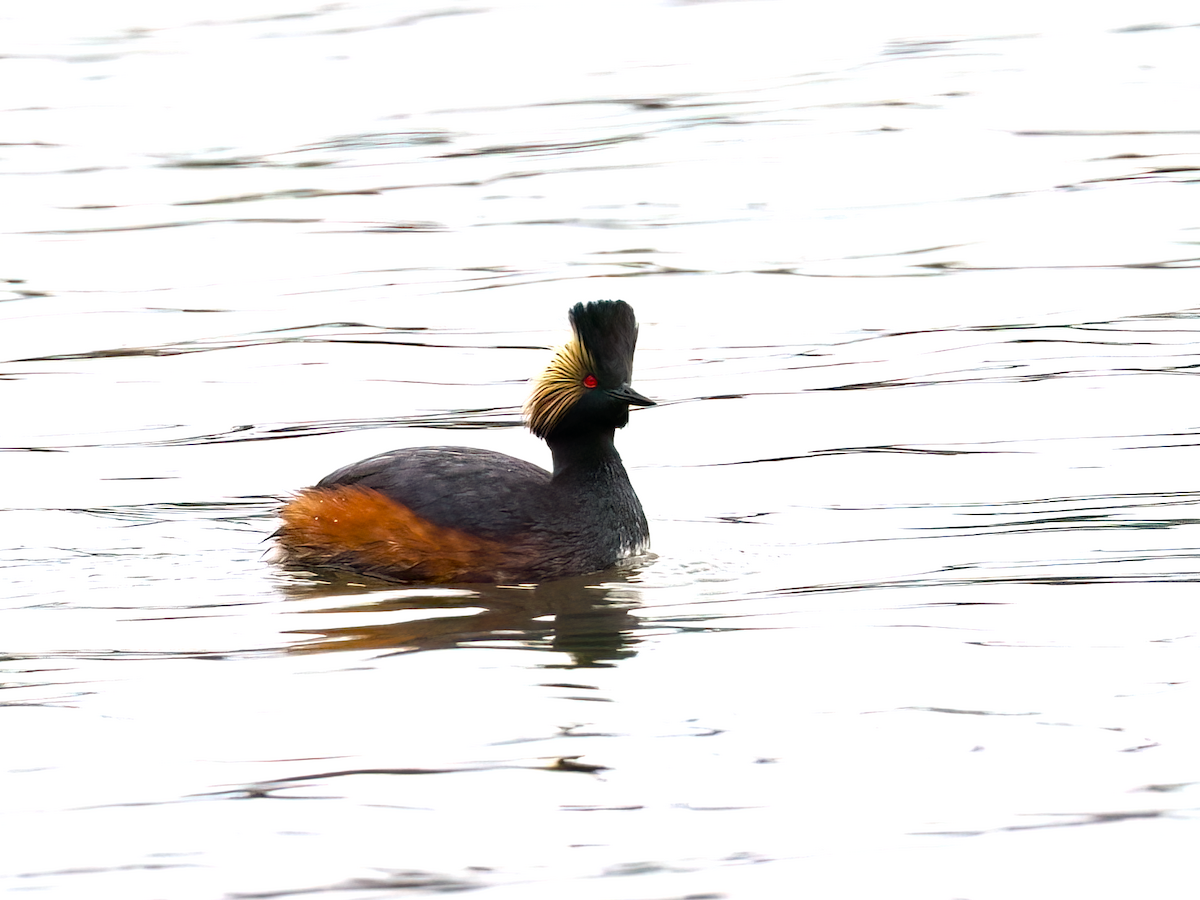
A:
(456, 514)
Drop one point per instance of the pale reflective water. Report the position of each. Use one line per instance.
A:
(919, 303)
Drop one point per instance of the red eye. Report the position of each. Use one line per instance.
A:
(589, 381)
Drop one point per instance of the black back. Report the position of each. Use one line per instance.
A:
(479, 491)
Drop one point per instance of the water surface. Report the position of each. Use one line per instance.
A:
(918, 303)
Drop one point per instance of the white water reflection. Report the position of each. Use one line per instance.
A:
(917, 302)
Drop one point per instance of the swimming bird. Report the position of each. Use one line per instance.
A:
(458, 514)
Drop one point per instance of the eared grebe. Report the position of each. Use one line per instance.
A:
(441, 514)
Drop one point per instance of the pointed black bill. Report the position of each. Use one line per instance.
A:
(629, 395)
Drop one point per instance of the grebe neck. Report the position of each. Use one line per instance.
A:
(584, 457)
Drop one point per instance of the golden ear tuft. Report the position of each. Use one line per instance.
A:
(558, 388)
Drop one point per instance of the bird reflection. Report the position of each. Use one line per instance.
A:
(587, 617)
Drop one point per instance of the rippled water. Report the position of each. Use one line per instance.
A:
(919, 303)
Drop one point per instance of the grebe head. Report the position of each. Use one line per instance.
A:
(586, 387)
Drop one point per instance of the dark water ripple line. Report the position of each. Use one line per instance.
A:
(336, 8)
(847, 587)
(107, 655)
(1015, 378)
(451, 420)
(998, 507)
(1120, 325)
(395, 881)
(316, 193)
(1187, 339)
(104, 870)
(306, 334)
(844, 451)
(377, 140)
(240, 510)
(287, 194)
(1061, 523)
(951, 449)
(103, 229)
(541, 764)
(1076, 820)
(1186, 262)
(549, 148)
(399, 880)
(710, 612)
(1073, 524)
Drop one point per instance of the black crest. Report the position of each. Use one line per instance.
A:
(608, 331)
